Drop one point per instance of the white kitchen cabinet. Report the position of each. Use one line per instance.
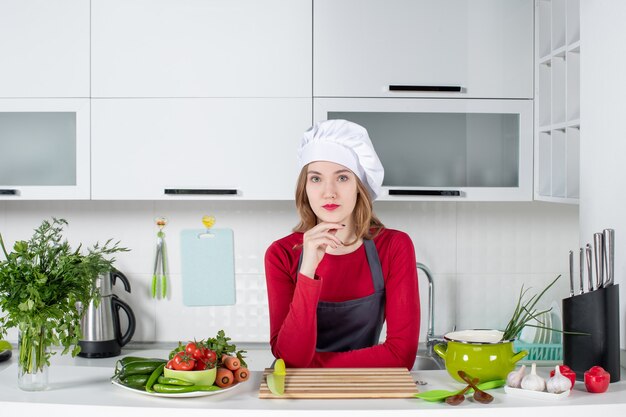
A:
(445, 149)
(44, 149)
(201, 48)
(242, 149)
(44, 48)
(425, 48)
(557, 98)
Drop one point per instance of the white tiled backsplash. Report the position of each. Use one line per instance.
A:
(480, 255)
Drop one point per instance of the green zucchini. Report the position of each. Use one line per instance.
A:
(135, 381)
(139, 368)
(120, 364)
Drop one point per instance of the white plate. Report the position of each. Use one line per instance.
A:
(181, 395)
(528, 333)
(539, 333)
(537, 395)
(547, 322)
(556, 322)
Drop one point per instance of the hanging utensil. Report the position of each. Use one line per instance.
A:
(159, 276)
(157, 263)
(598, 245)
(609, 255)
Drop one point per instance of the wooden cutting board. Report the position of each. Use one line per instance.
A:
(343, 383)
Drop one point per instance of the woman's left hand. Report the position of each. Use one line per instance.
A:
(314, 244)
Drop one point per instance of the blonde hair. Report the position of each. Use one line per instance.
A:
(363, 215)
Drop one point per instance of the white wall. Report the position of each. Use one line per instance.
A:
(603, 138)
(480, 254)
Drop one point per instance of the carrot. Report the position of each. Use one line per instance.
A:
(230, 362)
(224, 377)
(241, 374)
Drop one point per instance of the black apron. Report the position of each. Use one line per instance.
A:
(353, 324)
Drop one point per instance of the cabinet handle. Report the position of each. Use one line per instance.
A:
(442, 88)
(9, 192)
(441, 193)
(199, 191)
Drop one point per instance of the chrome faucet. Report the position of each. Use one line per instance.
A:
(431, 339)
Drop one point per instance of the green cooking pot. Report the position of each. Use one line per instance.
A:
(480, 353)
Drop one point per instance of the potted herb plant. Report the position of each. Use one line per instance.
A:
(41, 282)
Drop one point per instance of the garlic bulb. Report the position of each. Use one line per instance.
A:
(533, 381)
(558, 383)
(514, 378)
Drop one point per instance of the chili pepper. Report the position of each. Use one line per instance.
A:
(173, 381)
(154, 376)
(139, 368)
(179, 389)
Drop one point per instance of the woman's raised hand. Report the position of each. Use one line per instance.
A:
(314, 244)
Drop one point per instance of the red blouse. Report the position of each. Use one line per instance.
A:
(293, 302)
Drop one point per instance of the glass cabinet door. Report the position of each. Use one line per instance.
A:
(44, 149)
(465, 149)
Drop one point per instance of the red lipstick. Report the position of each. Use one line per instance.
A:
(330, 207)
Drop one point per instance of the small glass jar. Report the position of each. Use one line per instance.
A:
(32, 365)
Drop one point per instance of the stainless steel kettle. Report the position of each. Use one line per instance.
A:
(102, 335)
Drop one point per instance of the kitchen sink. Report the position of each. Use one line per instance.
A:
(425, 363)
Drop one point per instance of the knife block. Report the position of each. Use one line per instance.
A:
(595, 313)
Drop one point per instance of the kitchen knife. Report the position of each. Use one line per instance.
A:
(609, 255)
(581, 274)
(589, 268)
(598, 245)
(571, 273)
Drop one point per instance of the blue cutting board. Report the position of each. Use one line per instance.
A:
(208, 267)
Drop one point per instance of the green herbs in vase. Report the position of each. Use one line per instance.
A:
(41, 282)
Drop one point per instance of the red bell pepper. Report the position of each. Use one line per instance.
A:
(597, 379)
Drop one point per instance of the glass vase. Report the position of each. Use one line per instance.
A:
(32, 363)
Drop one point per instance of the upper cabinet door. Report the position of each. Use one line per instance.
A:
(201, 48)
(206, 148)
(44, 48)
(426, 48)
(44, 149)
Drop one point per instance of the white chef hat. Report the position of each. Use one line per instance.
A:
(347, 144)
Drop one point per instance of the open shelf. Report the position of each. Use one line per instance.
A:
(557, 101)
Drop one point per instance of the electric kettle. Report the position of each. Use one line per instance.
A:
(102, 335)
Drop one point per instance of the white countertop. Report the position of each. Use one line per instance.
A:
(81, 386)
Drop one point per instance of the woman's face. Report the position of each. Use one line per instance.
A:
(332, 190)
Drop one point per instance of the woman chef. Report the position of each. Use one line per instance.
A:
(333, 282)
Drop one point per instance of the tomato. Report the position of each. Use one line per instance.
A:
(205, 358)
(210, 356)
(200, 366)
(191, 349)
(199, 353)
(183, 362)
(597, 379)
(170, 364)
(566, 372)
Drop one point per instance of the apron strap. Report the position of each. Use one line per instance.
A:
(374, 262)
